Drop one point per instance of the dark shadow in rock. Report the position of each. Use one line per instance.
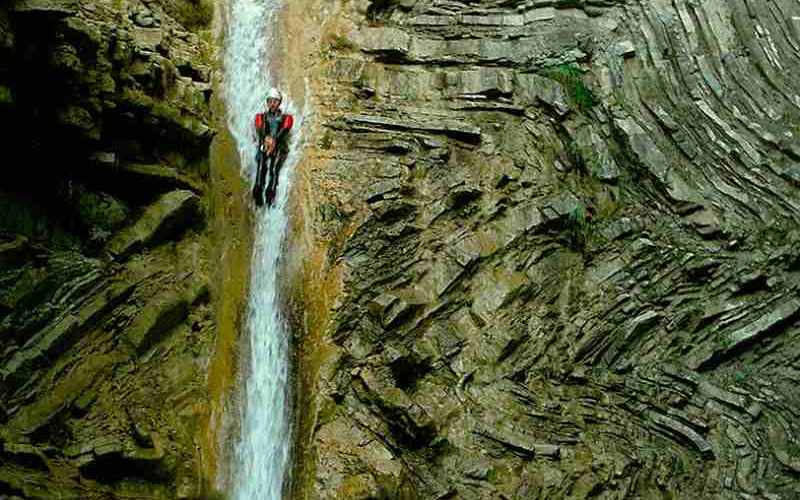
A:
(8, 491)
(462, 198)
(406, 372)
(114, 467)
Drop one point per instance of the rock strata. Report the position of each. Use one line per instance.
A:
(560, 248)
(108, 321)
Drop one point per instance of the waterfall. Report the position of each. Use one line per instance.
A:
(261, 456)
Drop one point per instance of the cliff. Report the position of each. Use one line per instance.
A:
(539, 249)
(117, 332)
(550, 249)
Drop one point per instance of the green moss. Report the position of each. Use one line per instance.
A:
(193, 14)
(335, 43)
(6, 98)
(578, 227)
(570, 77)
(136, 98)
(165, 111)
(207, 44)
(341, 43)
(326, 142)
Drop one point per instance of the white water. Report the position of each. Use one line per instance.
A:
(262, 454)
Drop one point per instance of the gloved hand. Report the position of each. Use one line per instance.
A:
(269, 145)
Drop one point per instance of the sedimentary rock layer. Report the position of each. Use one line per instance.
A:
(109, 308)
(563, 244)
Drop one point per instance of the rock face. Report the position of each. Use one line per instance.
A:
(107, 302)
(555, 252)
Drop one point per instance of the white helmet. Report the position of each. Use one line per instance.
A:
(275, 94)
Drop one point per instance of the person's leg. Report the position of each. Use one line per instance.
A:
(275, 171)
(261, 173)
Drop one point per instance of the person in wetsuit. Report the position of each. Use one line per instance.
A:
(272, 130)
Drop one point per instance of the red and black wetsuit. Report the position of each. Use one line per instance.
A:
(275, 125)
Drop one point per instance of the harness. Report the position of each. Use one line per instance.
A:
(275, 125)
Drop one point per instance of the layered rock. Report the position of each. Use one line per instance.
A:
(554, 253)
(108, 305)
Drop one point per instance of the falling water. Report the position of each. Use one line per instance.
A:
(262, 453)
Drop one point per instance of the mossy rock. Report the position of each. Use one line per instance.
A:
(167, 217)
(100, 210)
(194, 15)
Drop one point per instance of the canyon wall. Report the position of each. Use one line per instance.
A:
(124, 249)
(548, 249)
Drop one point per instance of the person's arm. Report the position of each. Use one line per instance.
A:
(259, 126)
(286, 126)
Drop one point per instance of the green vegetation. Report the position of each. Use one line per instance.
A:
(326, 141)
(341, 42)
(578, 227)
(6, 98)
(570, 77)
(336, 43)
(139, 100)
(212, 495)
(194, 15)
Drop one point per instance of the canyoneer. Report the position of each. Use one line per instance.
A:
(272, 131)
